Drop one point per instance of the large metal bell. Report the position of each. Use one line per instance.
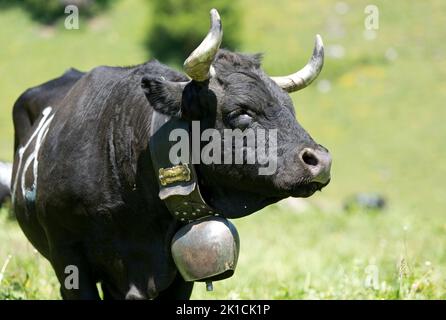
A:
(206, 250)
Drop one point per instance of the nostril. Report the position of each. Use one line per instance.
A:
(309, 158)
(317, 163)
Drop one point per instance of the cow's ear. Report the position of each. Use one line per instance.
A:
(163, 95)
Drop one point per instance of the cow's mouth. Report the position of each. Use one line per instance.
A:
(308, 189)
(235, 204)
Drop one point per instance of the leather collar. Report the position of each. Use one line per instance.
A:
(178, 184)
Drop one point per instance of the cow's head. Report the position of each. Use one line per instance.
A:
(230, 91)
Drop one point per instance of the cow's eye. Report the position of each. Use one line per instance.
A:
(240, 119)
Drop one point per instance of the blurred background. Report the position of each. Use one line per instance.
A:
(377, 231)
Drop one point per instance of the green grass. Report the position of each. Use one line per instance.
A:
(382, 120)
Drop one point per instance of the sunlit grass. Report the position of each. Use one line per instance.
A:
(318, 255)
(28, 275)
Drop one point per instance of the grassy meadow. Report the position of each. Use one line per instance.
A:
(378, 105)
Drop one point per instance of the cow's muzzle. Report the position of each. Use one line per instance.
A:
(317, 162)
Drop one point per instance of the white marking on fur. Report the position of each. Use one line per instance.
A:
(36, 159)
(34, 155)
(46, 112)
(25, 168)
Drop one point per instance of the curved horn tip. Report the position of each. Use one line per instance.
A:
(198, 64)
(317, 59)
(319, 40)
(307, 74)
(214, 13)
(215, 19)
(319, 45)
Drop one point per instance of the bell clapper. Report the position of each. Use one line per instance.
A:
(209, 286)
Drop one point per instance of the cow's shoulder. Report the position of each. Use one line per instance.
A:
(100, 73)
(34, 99)
(155, 68)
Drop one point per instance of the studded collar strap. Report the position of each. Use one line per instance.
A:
(178, 183)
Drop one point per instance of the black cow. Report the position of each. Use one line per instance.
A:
(84, 189)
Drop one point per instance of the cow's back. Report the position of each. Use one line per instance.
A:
(29, 106)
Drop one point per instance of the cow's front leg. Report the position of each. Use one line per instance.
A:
(178, 290)
(74, 274)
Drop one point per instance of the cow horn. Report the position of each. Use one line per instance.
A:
(307, 74)
(198, 64)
